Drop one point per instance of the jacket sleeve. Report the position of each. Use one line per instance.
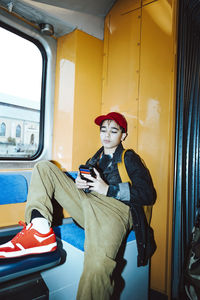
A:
(142, 191)
(120, 191)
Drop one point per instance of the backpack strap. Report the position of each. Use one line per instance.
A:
(125, 178)
(122, 169)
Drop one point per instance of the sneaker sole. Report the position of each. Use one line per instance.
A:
(29, 251)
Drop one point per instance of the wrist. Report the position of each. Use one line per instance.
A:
(106, 190)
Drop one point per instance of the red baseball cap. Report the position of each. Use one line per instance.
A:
(117, 117)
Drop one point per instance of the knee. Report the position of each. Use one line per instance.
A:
(45, 164)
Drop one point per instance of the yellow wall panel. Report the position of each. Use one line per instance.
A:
(11, 214)
(88, 95)
(155, 129)
(126, 6)
(64, 101)
(138, 80)
(121, 68)
(77, 98)
(144, 2)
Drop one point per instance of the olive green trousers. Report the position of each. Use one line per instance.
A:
(106, 222)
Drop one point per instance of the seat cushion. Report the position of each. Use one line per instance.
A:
(75, 235)
(14, 188)
(11, 268)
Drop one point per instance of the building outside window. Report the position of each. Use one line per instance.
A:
(3, 129)
(22, 135)
(18, 131)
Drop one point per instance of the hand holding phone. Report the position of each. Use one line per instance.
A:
(98, 184)
(86, 170)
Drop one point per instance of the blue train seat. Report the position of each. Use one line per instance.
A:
(16, 267)
(13, 187)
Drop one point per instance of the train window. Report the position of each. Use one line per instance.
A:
(21, 71)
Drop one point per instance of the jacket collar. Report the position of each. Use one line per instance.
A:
(117, 156)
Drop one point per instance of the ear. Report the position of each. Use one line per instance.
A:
(124, 135)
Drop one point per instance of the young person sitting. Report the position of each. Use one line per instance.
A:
(101, 206)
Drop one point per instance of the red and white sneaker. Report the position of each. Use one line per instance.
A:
(29, 241)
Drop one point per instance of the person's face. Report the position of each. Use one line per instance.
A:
(111, 135)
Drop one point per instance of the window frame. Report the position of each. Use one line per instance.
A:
(49, 48)
(42, 101)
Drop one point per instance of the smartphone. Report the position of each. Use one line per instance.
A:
(86, 170)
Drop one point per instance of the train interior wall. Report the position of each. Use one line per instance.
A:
(132, 71)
